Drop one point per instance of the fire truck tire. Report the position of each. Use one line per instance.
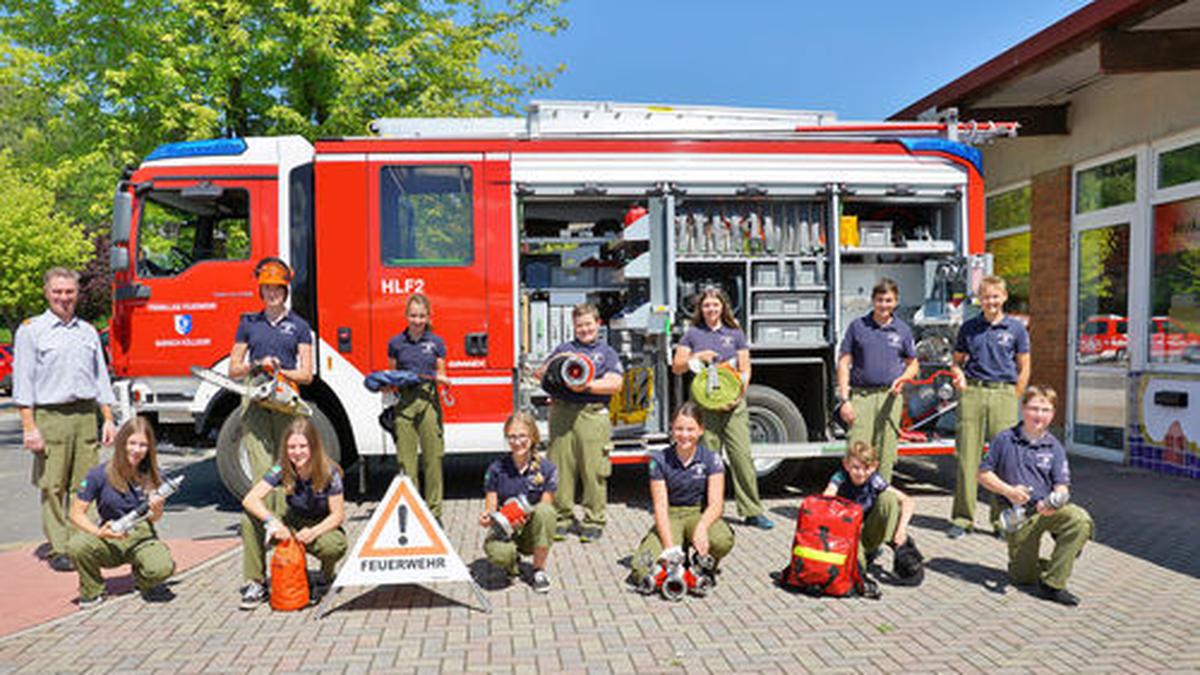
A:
(233, 465)
(773, 419)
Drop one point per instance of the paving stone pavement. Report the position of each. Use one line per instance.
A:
(1138, 581)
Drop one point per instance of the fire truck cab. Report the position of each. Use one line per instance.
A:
(505, 224)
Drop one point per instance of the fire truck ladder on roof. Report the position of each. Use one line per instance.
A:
(581, 119)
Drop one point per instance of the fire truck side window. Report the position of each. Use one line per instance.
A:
(426, 216)
(178, 229)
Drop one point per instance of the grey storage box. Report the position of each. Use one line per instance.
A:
(772, 302)
(798, 332)
(875, 233)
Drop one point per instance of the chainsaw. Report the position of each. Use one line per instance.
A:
(268, 388)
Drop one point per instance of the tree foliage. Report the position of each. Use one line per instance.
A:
(32, 239)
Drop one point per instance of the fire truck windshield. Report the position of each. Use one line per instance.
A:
(179, 228)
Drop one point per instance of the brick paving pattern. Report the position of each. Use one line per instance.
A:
(1138, 581)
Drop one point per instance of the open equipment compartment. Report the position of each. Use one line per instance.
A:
(596, 250)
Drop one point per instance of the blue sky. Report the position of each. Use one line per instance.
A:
(863, 59)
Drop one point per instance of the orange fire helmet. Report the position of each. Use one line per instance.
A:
(273, 272)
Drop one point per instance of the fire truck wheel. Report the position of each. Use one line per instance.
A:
(233, 464)
(774, 419)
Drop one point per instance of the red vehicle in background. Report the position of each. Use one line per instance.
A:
(6, 368)
(1171, 342)
(1104, 337)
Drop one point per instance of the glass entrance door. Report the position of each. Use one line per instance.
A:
(1101, 338)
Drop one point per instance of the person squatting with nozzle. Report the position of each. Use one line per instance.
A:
(522, 475)
(876, 357)
(991, 368)
(580, 428)
(418, 409)
(886, 510)
(1027, 467)
(687, 491)
(313, 510)
(60, 382)
(275, 339)
(716, 337)
(118, 487)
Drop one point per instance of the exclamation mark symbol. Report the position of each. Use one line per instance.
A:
(402, 516)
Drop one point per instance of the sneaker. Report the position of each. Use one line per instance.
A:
(62, 563)
(590, 534)
(540, 581)
(760, 521)
(253, 595)
(159, 593)
(873, 555)
(561, 532)
(1060, 595)
(91, 603)
(955, 532)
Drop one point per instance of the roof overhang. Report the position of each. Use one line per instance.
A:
(1032, 82)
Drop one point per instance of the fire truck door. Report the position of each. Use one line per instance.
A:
(191, 276)
(428, 237)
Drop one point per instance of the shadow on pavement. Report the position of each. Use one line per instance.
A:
(992, 579)
(396, 597)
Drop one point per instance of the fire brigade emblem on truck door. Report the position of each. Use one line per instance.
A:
(183, 324)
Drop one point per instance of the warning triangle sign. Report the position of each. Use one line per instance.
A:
(403, 544)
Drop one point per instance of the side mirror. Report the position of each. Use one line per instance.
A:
(122, 216)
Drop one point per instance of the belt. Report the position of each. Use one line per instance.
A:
(78, 405)
(989, 384)
(592, 406)
(869, 390)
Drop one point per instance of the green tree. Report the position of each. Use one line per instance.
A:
(32, 238)
(119, 77)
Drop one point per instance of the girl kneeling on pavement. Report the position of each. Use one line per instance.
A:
(523, 473)
(687, 488)
(117, 487)
(312, 510)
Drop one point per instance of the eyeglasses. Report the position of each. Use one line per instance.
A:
(517, 438)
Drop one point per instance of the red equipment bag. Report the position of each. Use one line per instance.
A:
(825, 549)
(289, 576)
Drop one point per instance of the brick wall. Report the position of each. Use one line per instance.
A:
(1050, 281)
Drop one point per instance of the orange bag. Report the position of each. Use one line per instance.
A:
(289, 576)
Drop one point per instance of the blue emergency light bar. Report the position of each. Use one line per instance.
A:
(962, 150)
(216, 146)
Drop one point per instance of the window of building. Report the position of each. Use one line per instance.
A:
(1174, 317)
(426, 216)
(1179, 166)
(180, 228)
(1007, 239)
(1106, 185)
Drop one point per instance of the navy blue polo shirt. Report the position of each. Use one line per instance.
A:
(687, 484)
(304, 501)
(725, 341)
(864, 495)
(992, 348)
(877, 353)
(1016, 460)
(281, 340)
(603, 357)
(419, 356)
(110, 503)
(507, 481)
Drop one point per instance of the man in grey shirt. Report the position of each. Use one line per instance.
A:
(59, 380)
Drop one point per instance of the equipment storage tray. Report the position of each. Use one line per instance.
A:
(789, 332)
(788, 302)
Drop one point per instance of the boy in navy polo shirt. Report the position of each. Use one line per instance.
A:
(876, 357)
(886, 510)
(991, 367)
(1023, 466)
(580, 429)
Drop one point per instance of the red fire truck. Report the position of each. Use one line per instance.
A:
(507, 223)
